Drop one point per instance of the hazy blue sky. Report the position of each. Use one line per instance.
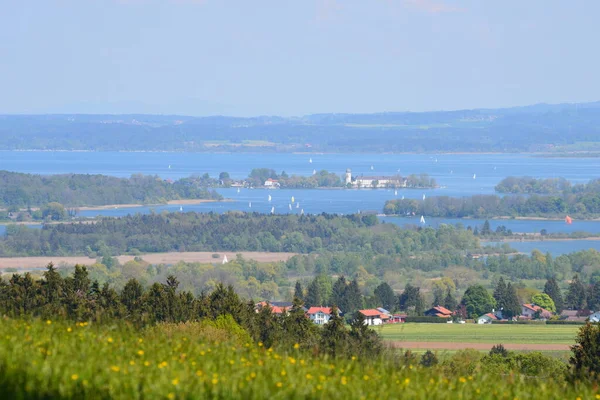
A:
(293, 57)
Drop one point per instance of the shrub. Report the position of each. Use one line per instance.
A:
(429, 359)
(216, 255)
(585, 360)
(430, 320)
(500, 350)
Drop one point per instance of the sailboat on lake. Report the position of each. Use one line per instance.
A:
(269, 198)
(250, 205)
(272, 210)
(422, 220)
(474, 176)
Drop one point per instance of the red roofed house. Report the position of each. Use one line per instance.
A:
(319, 315)
(438, 311)
(276, 307)
(487, 318)
(373, 317)
(529, 311)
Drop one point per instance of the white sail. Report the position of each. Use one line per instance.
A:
(293, 199)
(180, 208)
(290, 207)
(314, 171)
(422, 219)
(474, 176)
(423, 196)
(269, 197)
(395, 193)
(272, 210)
(298, 205)
(250, 205)
(224, 259)
(169, 166)
(310, 160)
(238, 190)
(302, 211)
(402, 197)
(372, 168)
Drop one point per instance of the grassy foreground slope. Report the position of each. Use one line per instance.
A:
(474, 333)
(46, 359)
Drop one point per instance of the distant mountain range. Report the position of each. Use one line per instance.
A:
(540, 127)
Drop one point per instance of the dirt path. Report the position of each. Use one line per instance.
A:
(478, 346)
(154, 258)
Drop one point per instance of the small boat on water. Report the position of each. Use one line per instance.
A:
(423, 196)
(269, 198)
(422, 220)
(474, 176)
(569, 220)
(302, 212)
(314, 171)
(310, 160)
(293, 200)
(290, 207)
(402, 197)
(272, 210)
(298, 205)
(225, 261)
(250, 205)
(372, 168)
(395, 193)
(180, 208)
(238, 190)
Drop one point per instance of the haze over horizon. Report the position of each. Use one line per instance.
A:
(203, 57)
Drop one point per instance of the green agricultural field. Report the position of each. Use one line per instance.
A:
(474, 333)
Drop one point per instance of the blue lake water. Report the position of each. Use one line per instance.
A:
(454, 172)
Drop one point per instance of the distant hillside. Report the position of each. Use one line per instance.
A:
(539, 127)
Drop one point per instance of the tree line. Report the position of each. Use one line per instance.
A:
(19, 190)
(579, 205)
(230, 232)
(78, 298)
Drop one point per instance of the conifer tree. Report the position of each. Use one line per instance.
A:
(576, 295)
(353, 297)
(334, 337)
(512, 305)
(500, 294)
(385, 296)
(450, 301)
(551, 289)
(366, 342)
(338, 293)
(298, 291)
(313, 295)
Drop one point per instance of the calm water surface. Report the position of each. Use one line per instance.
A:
(454, 172)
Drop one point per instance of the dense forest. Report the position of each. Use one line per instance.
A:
(583, 203)
(18, 190)
(233, 231)
(539, 127)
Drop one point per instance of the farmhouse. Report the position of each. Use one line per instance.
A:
(319, 315)
(277, 307)
(530, 310)
(595, 317)
(373, 316)
(487, 318)
(438, 311)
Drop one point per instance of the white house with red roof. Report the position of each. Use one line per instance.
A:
(319, 315)
(373, 316)
(487, 318)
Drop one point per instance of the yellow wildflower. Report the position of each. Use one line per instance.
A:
(279, 384)
(69, 329)
(407, 381)
(175, 382)
(140, 352)
(131, 362)
(283, 373)
(215, 381)
(115, 368)
(109, 340)
(146, 363)
(48, 322)
(366, 377)
(171, 396)
(199, 373)
(296, 346)
(462, 379)
(344, 380)
(74, 377)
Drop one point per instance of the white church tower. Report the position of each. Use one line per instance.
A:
(348, 178)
